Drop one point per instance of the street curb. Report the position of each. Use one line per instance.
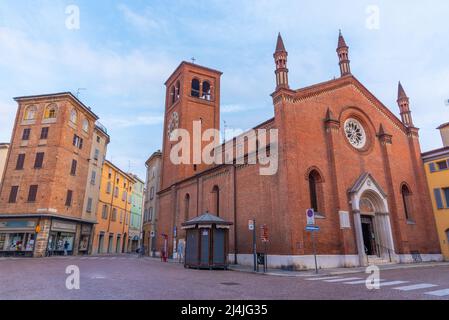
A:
(341, 272)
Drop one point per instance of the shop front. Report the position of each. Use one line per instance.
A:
(62, 238)
(83, 247)
(17, 237)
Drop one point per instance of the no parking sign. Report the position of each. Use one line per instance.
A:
(310, 214)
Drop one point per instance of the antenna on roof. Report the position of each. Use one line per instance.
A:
(78, 91)
(193, 60)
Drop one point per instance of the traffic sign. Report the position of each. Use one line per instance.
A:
(312, 228)
(310, 214)
(251, 225)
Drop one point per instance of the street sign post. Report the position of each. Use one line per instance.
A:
(313, 229)
(252, 226)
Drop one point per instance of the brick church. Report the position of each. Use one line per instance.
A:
(341, 151)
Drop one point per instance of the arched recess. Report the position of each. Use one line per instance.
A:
(316, 190)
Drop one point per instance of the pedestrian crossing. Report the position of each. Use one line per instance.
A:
(399, 285)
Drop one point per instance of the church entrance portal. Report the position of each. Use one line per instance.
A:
(369, 238)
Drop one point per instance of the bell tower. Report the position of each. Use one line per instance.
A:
(192, 101)
(280, 59)
(343, 55)
(404, 107)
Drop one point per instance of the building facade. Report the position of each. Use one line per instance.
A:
(3, 156)
(149, 224)
(437, 170)
(135, 224)
(43, 190)
(98, 151)
(336, 149)
(111, 233)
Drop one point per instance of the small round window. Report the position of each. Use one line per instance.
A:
(355, 133)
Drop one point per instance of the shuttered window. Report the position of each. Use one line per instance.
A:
(432, 167)
(32, 193)
(73, 167)
(438, 198)
(39, 160)
(20, 161)
(68, 199)
(13, 194)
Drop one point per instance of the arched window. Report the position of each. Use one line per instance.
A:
(50, 111)
(216, 200)
(86, 125)
(186, 207)
(73, 116)
(195, 88)
(315, 191)
(177, 89)
(406, 199)
(206, 91)
(30, 113)
(173, 94)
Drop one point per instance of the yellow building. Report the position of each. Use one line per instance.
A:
(437, 171)
(113, 211)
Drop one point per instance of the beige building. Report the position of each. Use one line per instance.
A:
(151, 206)
(3, 154)
(100, 143)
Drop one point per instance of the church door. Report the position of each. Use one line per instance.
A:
(369, 238)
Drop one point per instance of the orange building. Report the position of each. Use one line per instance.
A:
(113, 212)
(43, 190)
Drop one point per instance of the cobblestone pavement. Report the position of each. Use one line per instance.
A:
(130, 277)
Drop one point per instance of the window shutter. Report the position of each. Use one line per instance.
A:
(438, 198)
(432, 167)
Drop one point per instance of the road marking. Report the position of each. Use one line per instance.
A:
(392, 283)
(360, 281)
(323, 278)
(416, 287)
(439, 293)
(341, 280)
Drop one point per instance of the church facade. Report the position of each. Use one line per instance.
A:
(339, 150)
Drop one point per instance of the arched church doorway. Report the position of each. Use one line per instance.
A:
(367, 215)
(372, 226)
(375, 225)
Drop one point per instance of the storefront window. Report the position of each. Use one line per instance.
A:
(61, 241)
(16, 242)
(84, 243)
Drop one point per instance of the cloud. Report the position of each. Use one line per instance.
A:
(127, 122)
(142, 22)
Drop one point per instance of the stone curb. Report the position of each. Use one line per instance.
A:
(340, 272)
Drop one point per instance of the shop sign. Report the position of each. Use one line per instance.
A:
(85, 229)
(63, 226)
(17, 224)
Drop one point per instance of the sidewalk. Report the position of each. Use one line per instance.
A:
(332, 271)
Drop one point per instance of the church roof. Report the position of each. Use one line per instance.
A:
(280, 44)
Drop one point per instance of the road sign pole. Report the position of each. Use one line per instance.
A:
(314, 251)
(254, 245)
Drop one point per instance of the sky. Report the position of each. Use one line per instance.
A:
(121, 52)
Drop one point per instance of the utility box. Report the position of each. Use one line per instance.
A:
(207, 242)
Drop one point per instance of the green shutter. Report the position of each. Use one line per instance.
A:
(432, 167)
(438, 199)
